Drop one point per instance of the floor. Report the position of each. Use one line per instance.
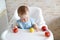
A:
(54, 26)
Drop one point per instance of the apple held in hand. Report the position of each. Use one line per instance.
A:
(15, 29)
(47, 34)
(44, 28)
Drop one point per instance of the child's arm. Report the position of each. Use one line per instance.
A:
(35, 27)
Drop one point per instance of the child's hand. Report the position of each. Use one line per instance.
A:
(37, 30)
(36, 27)
(15, 27)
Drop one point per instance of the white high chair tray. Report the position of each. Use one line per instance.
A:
(25, 35)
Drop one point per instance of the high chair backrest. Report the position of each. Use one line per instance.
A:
(35, 13)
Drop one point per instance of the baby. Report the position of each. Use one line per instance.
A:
(25, 21)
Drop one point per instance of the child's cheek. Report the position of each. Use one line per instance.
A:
(27, 18)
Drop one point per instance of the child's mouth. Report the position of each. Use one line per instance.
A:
(24, 20)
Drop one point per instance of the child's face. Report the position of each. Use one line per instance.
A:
(24, 18)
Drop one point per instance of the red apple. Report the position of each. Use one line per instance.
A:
(47, 34)
(15, 29)
(44, 28)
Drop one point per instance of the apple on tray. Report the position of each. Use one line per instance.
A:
(15, 29)
(47, 34)
(31, 30)
(44, 28)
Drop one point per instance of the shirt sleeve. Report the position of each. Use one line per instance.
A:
(19, 24)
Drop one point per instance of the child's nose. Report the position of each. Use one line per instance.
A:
(24, 19)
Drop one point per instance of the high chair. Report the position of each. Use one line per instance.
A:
(36, 14)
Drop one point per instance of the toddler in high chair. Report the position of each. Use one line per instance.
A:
(25, 22)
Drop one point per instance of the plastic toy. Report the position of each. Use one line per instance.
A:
(32, 30)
